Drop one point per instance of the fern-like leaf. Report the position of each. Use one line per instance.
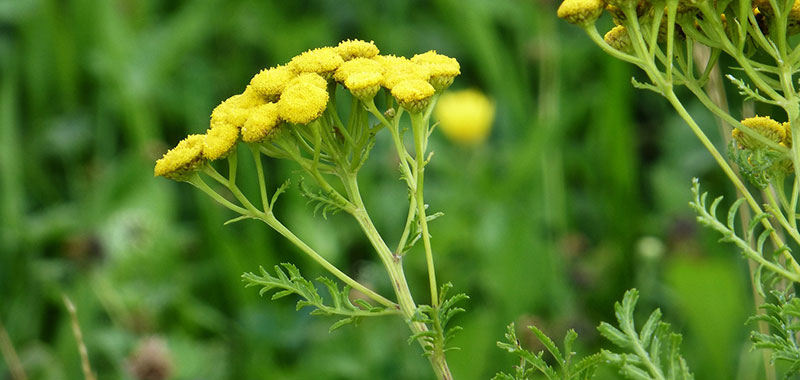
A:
(436, 339)
(644, 355)
(530, 363)
(783, 317)
(287, 280)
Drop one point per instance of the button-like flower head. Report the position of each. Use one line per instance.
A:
(181, 160)
(351, 49)
(303, 100)
(413, 94)
(442, 68)
(262, 123)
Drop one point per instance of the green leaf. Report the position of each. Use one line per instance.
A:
(287, 281)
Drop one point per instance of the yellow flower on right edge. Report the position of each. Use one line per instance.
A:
(465, 116)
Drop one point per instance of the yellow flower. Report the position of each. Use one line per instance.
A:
(398, 69)
(465, 116)
(764, 126)
(302, 101)
(581, 12)
(323, 61)
(350, 49)
(364, 85)
(618, 39)
(261, 124)
(310, 78)
(236, 109)
(181, 160)
(357, 65)
(270, 82)
(220, 140)
(413, 94)
(441, 67)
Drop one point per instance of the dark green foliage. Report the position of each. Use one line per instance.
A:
(783, 318)
(651, 353)
(568, 367)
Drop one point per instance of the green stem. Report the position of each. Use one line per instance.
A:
(673, 99)
(420, 130)
(262, 185)
(271, 221)
(394, 267)
(198, 182)
(776, 212)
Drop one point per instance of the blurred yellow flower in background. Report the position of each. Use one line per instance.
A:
(465, 116)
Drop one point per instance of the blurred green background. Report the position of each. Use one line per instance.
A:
(580, 193)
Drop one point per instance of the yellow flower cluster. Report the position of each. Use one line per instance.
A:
(298, 93)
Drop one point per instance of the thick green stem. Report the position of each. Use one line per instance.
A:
(394, 267)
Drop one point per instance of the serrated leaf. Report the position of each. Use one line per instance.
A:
(548, 344)
(613, 335)
(650, 327)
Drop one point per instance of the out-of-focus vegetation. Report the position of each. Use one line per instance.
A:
(579, 193)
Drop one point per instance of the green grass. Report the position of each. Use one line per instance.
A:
(541, 222)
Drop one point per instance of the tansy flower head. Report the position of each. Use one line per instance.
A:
(764, 126)
(350, 49)
(581, 12)
(618, 39)
(310, 78)
(364, 85)
(323, 61)
(357, 65)
(442, 68)
(181, 160)
(413, 94)
(465, 116)
(235, 109)
(302, 102)
(398, 69)
(270, 82)
(220, 140)
(261, 124)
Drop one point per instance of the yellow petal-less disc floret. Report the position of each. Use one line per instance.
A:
(364, 85)
(236, 109)
(357, 65)
(220, 140)
(398, 69)
(351, 49)
(618, 39)
(581, 12)
(181, 160)
(764, 126)
(442, 68)
(302, 102)
(270, 82)
(261, 124)
(323, 61)
(465, 116)
(413, 94)
(310, 78)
